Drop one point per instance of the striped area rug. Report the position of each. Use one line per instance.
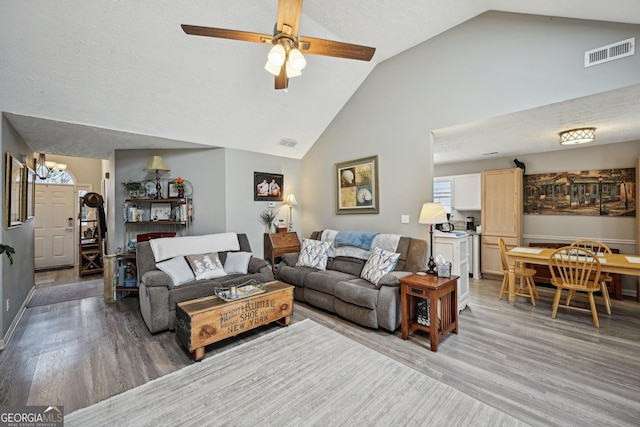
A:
(301, 375)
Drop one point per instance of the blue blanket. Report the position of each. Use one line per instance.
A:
(359, 239)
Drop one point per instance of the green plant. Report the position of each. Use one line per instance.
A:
(132, 185)
(268, 216)
(6, 249)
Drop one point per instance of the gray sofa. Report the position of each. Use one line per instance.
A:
(339, 289)
(159, 296)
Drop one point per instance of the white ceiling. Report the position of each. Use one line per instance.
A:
(84, 78)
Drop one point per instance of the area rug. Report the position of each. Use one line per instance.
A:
(301, 375)
(46, 295)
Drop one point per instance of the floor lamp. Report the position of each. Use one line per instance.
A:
(432, 213)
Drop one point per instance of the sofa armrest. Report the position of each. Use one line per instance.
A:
(393, 278)
(289, 259)
(256, 264)
(157, 278)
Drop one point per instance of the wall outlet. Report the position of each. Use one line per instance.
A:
(272, 204)
(404, 219)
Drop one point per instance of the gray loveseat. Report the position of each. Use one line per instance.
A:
(159, 296)
(339, 289)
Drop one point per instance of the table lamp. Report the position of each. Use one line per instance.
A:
(432, 213)
(291, 201)
(157, 164)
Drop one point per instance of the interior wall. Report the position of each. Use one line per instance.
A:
(242, 212)
(17, 279)
(494, 64)
(204, 168)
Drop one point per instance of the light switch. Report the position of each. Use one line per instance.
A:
(404, 219)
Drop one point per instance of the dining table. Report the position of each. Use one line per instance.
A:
(609, 263)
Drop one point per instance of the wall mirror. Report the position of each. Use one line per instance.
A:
(13, 191)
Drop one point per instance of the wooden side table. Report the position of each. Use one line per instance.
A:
(442, 294)
(277, 244)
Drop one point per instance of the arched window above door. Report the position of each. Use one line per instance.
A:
(54, 177)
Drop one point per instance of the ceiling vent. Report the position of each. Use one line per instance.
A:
(288, 142)
(610, 52)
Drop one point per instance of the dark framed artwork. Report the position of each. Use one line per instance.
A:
(357, 186)
(598, 192)
(29, 194)
(13, 191)
(268, 186)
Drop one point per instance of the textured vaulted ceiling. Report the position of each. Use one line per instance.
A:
(82, 78)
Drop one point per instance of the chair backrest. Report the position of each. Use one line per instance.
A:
(576, 266)
(594, 246)
(503, 255)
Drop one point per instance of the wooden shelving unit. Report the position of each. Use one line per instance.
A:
(90, 251)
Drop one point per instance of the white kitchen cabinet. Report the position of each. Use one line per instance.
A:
(456, 250)
(466, 192)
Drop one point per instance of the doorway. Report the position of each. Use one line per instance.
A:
(54, 226)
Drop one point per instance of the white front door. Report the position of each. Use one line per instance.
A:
(54, 225)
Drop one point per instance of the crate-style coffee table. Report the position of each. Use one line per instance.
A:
(204, 321)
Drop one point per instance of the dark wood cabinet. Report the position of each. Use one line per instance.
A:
(277, 244)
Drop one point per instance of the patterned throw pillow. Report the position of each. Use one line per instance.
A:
(206, 266)
(380, 262)
(313, 254)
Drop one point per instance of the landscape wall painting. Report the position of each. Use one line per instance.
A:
(600, 192)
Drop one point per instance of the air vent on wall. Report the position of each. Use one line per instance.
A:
(288, 142)
(610, 52)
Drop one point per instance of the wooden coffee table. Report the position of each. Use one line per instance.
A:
(208, 320)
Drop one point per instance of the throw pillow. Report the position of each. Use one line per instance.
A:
(206, 266)
(237, 262)
(178, 269)
(314, 253)
(380, 262)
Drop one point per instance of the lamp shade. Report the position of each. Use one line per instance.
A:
(291, 200)
(432, 213)
(156, 164)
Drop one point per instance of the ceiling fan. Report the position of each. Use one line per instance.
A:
(285, 59)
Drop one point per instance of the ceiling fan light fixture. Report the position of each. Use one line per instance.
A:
(277, 55)
(292, 72)
(273, 69)
(296, 59)
(577, 136)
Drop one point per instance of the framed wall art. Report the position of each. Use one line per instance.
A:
(357, 186)
(13, 181)
(599, 192)
(29, 194)
(268, 186)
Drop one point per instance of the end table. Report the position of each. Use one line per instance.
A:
(441, 293)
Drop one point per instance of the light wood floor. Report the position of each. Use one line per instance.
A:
(515, 358)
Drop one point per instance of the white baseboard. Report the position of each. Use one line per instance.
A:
(16, 320)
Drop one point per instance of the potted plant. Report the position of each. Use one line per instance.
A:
(179, 185)
(268, 216)
(133, 187)
(8, 250)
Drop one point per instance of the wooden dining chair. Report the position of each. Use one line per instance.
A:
(578, 270)
(597, 248)
(527, 287)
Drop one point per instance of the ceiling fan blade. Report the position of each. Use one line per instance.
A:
(282, 81)
(221, 33)
(332, 48)
(289, 14)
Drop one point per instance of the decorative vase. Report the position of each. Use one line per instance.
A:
(133, 194)
(267, 226)
(180, 193)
